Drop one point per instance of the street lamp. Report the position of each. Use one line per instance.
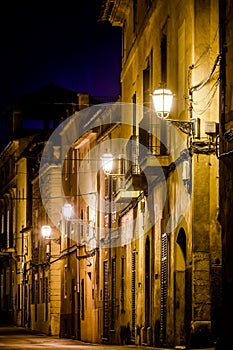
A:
(46, 231)
(107, 162)
(162, 101)
(67, 211)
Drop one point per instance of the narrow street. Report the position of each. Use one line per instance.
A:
(12, 337)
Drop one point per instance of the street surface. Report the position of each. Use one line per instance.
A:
(12, 337)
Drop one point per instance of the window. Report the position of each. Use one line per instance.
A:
(113, 293)
(134, 115)
(2, 224)
(41, 289)
(88, 220)
(105, 300)
(122, 283)
(81, 226)
(147, 282)
(163, 48)
(18, 296)
(163, 282)
(107, 202)
(65, 281)
(74, 160)
(146, 86)
(14, 226)
(82, 299)
(8, 229)
(2, 292)
(46, 298)
(133, 292)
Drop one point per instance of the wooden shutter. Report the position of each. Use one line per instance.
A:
(133, 292)
(164, 269)
(106, 300)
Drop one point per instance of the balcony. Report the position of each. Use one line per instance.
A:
(153, 156)
(152, 164)
(131, 185)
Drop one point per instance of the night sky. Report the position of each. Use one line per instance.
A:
(60, 42)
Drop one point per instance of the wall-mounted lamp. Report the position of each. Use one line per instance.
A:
(107, 162)
(162, 101)
(46, 231)
(67, 211)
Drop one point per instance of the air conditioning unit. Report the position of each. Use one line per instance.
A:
(210, 127)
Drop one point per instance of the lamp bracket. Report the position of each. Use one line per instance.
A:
(185, 126)
(55, 240)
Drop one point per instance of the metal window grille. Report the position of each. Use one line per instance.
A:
(107, 202)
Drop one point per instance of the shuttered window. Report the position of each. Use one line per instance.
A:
(147, 282)
(88, 221)
(107, 202)
(82, 299)
(105, 300)
(46, 298)
(133, 292)
(122, 283)
(164, 277)
(113, 293)
(81, 224)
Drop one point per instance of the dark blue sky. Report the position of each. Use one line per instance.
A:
(63, 43)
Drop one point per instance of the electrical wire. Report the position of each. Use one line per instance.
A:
(202, 110)
(206, 80)
(207, 51)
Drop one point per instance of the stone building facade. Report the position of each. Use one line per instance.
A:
(139, 252)
(175, 293)
(225, 171)
(27, 298)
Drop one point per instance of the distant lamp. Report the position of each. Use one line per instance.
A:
(46, 231)
(162, 101)
(67, 210)
(107, 162)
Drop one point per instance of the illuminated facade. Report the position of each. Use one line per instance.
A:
(138, 257)
(27, 298)
(225, 171)
(174, 269)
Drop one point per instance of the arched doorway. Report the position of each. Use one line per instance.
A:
(180, 288)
